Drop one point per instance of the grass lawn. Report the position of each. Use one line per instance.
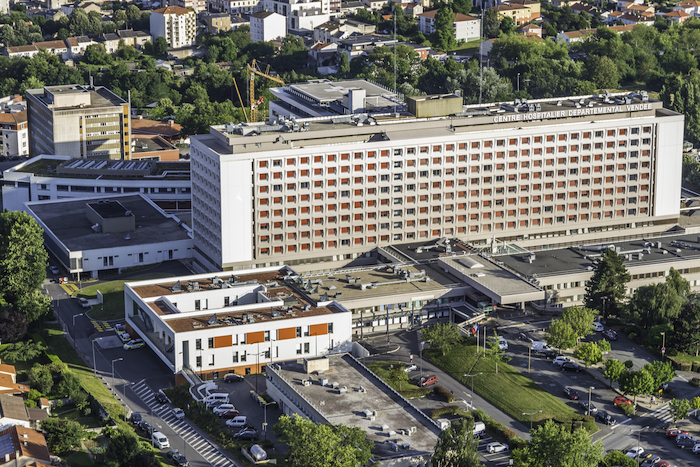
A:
(509, 390)
(471, 46)
(382, 370)
(113, 293)
(79, 459)
(60, 346)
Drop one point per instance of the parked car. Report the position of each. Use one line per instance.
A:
(571, 393)
(54, 270)
(428, 380)
(550, 353)
(124, 336)
(177, 458)
(179, 413)
(83, 302)
(134, 344)
(136, 418)
(610, 334)
(161, 398)
(652, 460)
(605, 417)
(233, 378)
(229, 414)
(696, 449)
(409, 367)
(571, 366)
(237, 422)
(145, 427)
(223, 408)
(675, 432)
(686, 441)
(620, 400)
(634, 452)
(248, 433)
(598, 327)
(592, 410)
(559, 361)
(496, 447)
(159, 440)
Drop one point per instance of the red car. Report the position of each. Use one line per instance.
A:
(229, 414)
(675, 432)
(619, 400)
(571, 394)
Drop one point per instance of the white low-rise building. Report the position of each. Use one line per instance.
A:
(110, 233)
(220, 323)
(267, 26)
(465, 27)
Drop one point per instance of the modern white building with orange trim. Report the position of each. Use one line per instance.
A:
(225, 323)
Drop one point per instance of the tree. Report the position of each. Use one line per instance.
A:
(133, 13)
(119, 17)
(609, 280)
(456, 446)
(444, 33)
(618, 458)
(686, 328)
(492, 24)
(679, 408)
(695, 404)
(62, 435)
(678, 282)
(41, 378)
(343, 65)
(79, 22)
(96, 54)
(614, 369)
(160, 47)
(23, 259)
(589, 352)
(494, 351)
(561, 335)
(603, 72)
(581, 320)
(398, 375)
(507, 25)
(442, 336)
(311, 444)
(13, 326)
(553, 445)
(634, 383)
(654, 304)
(661, 372)
(123, 446)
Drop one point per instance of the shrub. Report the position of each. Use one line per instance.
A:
(632, 335)
(685, 365)
(418, 392)
(444, 393)
(696, 367)
(627, 409)
(509, 434)
(442, 411)
(672, 352)
(695, 382)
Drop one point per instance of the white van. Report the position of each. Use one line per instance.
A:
(160, 440)
(479, 429)
(216, 397)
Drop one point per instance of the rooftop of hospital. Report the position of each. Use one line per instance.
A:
(366, 402)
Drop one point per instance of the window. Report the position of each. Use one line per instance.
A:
(307, 347)
(199, 362)
(299, 331)
(267, 336)
(198, 344)
(330, 328)
(197, 306)
(235, 357)
(211, 343)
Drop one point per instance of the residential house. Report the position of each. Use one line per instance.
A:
(13, 412)
(197, 6)
(636, 9)
(356, 45)
(615, 17)
(28, 51)
(677, 16)
(238, 21)
(58, 48)
(518, 13)
(300, 15)
(580, 35)
(692, 7)
(413, 9)
(323, 53)
(8, 381)
(4, 7)
(136, 39)
(333, 31)
(24, 447)
(533, 7)
(77, 46)
(14, 136)
(563, 3)
(110, 41)
(466, 27)
(235, 7)
(176, 24)
(266, 26)
(532, 29)
(217, 22)
(350, 8)
(579, 8)
(422, 50)
(375, 5)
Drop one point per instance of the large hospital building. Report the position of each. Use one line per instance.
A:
(343, 168)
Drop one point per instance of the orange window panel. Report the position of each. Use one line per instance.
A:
(318, 329)
(286, 333)
(255, 337)
(223, 341)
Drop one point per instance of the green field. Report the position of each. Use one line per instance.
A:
(113, 293)
(509, 390)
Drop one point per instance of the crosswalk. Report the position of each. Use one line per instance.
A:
(182, 427)
(101, 326)
(663, 414)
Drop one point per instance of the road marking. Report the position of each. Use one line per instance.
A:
(101, 326)
(69, 288)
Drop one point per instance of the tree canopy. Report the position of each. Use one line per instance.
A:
(456, 446)
(553, 445)
(442, 336)
(605, 290)
(314, 445)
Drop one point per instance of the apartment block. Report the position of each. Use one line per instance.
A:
(300, 14)
(14, 135)
(266, 26)
(197, 6)
(235, 7)
(542, 173)
(223, 323)
(79, 121)
(176, 24)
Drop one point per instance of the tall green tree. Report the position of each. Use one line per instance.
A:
(123, 447)
(589, 352)
(62, 435)
(638, 382)
(311, 444)
(678, 282)
(654, 304)
(686, 328)
(614, 369)
(609, 280)
(661, 372)
(494, 351)
(581, 320)
(492, 24)
(679, 408)
(442, 336)
(561, 335)
(444, 36)
(23, 259)
(618, 459)
(456, 446)
(553, 445)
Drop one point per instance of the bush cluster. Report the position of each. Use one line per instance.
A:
(444, 394)
(695, 382)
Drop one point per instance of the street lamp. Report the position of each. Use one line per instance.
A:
(115, 360)
(603, 299)
(639, 434)
(472, 377)
(94, 362)
(663, 346)
(72, 334)
(590, 390)
(531, 414)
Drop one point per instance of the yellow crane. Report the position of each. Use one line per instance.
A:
(254, 69)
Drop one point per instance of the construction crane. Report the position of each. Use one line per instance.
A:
(254, 69)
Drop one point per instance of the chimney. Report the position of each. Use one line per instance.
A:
(170, 122)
